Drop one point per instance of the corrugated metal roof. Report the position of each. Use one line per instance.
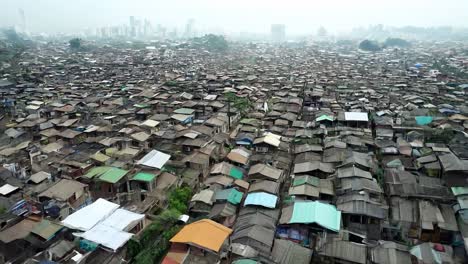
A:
(319, 213)
(262, 199)
(204, 233)
(154, 159)
(345, 250)
(356, 116)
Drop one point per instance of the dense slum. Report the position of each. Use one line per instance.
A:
(292, 154)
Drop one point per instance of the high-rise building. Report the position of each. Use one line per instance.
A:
(278, 32)
(189, 27)
(147, 29)
(132, 26)
(22, 19)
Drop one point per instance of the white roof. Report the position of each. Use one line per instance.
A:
(272, 139)
(154, 159)
(150, 123)
(35, 102)
(87, 217)
(356, 116)
(91, 128)
(39, 176)
(107, 236)
(33, 107)
(211, 97)
(123, 220)
(7, 189)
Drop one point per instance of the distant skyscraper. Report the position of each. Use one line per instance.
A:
(278, 32)
(322, 32)
(132, 26)
(189, 27)
(147, 29)
(22, 19)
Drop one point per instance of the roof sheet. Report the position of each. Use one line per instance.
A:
(17, 231)
(39, 177)
(231, 195)
(7, 189)
(423, 120)
(203, 233)
(356, 116)
(123, 220)
(322, 214)
(154, 159)
(46, 229)
(64, 190)
(107, 236)
(97, 171)
(289, 252)
(144, 176)
(261, 198)
(236, 173)
(87, 217)
(113, 175)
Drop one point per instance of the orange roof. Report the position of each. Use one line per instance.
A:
(204, 233)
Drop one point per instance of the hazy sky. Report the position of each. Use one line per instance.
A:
(300, 16)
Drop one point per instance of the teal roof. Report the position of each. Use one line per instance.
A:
(144, 176)
(459, 191)
(423, 120)
(244, 261)
(325, 117)
(236, 173)
(113, 175)
(231, 195)
(322, 214)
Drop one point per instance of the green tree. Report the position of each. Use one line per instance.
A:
(75, 43)
(242, 104)
(396, 42)
(153, 242)
(369, 45)
(212, 42)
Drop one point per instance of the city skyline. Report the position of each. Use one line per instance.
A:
(300, 17)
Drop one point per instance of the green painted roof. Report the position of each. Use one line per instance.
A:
(311, 180)
(322, 214)
(96, 171)
(459, 190)
(236, 173)
(113, 175)
(231, 195)
(324, 117)
(184, 111)
(143, 176)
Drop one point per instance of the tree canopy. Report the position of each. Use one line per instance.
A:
(396, 42)
(369, 45)
(75, 43)
(212, 42)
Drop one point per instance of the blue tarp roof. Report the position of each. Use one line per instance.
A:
(261, 198)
